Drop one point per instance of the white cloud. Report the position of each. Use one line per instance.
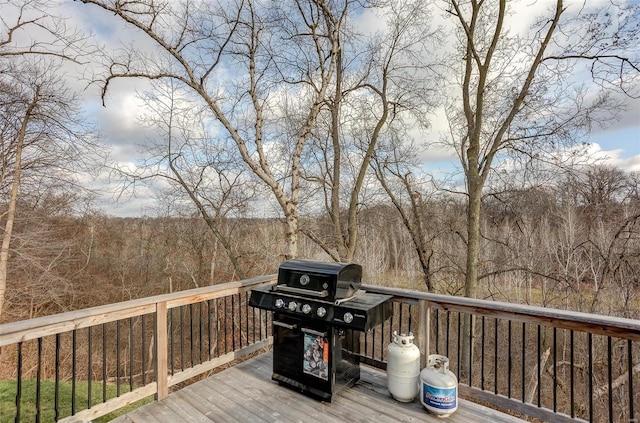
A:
(119, 119)
(613, 158)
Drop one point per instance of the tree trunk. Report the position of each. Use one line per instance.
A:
(291, 234)
(471, 277)
(473, 239)
(11, 211)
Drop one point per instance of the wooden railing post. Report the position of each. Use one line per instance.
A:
(424, 331)
(161, 351)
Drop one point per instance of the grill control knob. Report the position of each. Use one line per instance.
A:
(348, 317)
(306, 309)
(279, 303)
(321, 312)
(293, 306)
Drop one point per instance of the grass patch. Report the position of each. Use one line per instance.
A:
(47, 400)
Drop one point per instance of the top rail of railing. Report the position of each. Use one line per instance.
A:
(562, 319)
(11, 333)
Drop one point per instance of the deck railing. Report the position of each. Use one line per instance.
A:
(549, 364)
(84, 364)
(554, 365)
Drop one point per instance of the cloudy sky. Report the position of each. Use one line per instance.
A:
(617, 144)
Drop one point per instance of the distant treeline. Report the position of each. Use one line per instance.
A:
(569, 246)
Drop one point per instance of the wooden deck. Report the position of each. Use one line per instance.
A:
(246, 393)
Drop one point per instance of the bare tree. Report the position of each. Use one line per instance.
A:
(242, 59)
(38, 114)
(28, 28)
(597, 186)
(43, 140)
(300, 74)
(599, 196)
(389, 85)
(200, 170)
(517, 91)
(396, 171)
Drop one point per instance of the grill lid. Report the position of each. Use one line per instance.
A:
(326, 280)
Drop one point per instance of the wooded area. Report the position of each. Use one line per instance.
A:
(572, 246)
(295, 129)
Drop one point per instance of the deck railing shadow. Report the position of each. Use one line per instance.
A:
(550, 364)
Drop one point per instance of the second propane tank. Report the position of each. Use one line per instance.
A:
(403, 367)
(438, 387)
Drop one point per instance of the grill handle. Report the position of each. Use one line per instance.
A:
(315, 332)
(306, 292)
(284, 325)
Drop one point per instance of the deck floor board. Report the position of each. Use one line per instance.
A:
(245, 393)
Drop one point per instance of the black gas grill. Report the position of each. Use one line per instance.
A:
(319, 310)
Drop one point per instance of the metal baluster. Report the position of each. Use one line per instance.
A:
(373, 344)
(391, 321)
(509, 366)
(239, 319)
(38, 379)
(131, 349)
(555, 370)
(539, 365)
(470, 347)
(524, 359)
(217, 329)
(117, 358)
(571, 374)
(104, 362)
(609, 377)
(590, 347)
(171, 340)
(382, 342)
(224, 314)
(233, 326)
(260, 321)
(447, 333)
(268, 324)
(209, 331)
(182, 338)
(482, 356)
(437, 323)
(200, 328)
(89, 365)
(459, 338)
(631, 378)
(366, 344)
(253, 321)
(495, 356)
(143, 352)
(191, 335)
(73, 372)
(246, 314)
(18, 382)
(56, 401)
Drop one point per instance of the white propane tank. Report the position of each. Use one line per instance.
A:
(403, 367)
(438, 387)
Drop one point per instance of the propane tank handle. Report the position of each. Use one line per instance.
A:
(439, 363)
(407, 339)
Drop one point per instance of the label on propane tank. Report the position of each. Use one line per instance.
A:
(440, 398)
